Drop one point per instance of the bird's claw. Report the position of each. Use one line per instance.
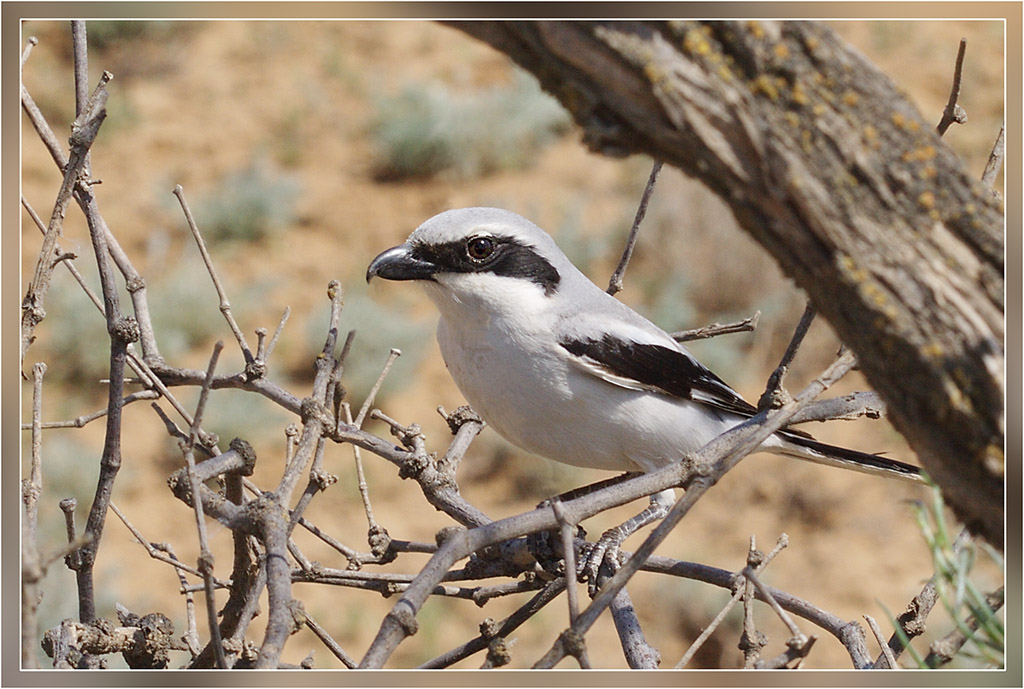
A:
(604, 554)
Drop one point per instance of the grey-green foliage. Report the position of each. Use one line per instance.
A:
(249, 204)
(73, 339)
(431, 128)
(183, 306)
(107, 33)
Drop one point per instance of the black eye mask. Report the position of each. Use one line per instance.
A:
(507, 257)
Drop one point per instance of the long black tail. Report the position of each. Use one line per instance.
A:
(812, 450)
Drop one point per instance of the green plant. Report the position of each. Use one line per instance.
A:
(979, 636)
(431, 128)
(184, 312)
(70, 339)
(248, 205)
(109, 33)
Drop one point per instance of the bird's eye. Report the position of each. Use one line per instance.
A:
(480, 248)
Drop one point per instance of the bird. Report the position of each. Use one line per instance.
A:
(564, 370)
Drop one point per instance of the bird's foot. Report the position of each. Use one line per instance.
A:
(602, 557)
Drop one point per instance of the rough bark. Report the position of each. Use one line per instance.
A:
(830, 167)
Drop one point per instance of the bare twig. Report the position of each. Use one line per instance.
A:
(715, 329)
(329, 641)
(205, 555)
(146, 335)
(225, 305)
(750, 575)
(277, 333)
(68, 262)
(191, 637)
(953, 112)
(796, 649)
(781, 543)
(566, 528)
(122, 331)
(436, 479)
(204, 393)
(270, 523)
(378, 537)
(751, 641)
(890, 658)
(775, 394)
(80, 421)
(615, 283)
(80, 46)
(912, 621)
(316, 419)
(85, 129)
(490, 630)
(46, 135)
(856, 405)
(157, 551)
(799, 644)
(29, 44)
(133, 281)
(32, 570)
(372, 395)
(236, 618)
(33, 488)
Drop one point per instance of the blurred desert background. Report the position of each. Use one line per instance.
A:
(304, 149)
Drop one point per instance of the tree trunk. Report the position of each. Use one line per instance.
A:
(828, 165)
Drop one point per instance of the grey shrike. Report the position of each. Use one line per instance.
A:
(562, 369)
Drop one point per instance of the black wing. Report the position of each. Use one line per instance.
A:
(655, 367)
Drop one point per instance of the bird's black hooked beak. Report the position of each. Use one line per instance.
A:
(400, 263)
